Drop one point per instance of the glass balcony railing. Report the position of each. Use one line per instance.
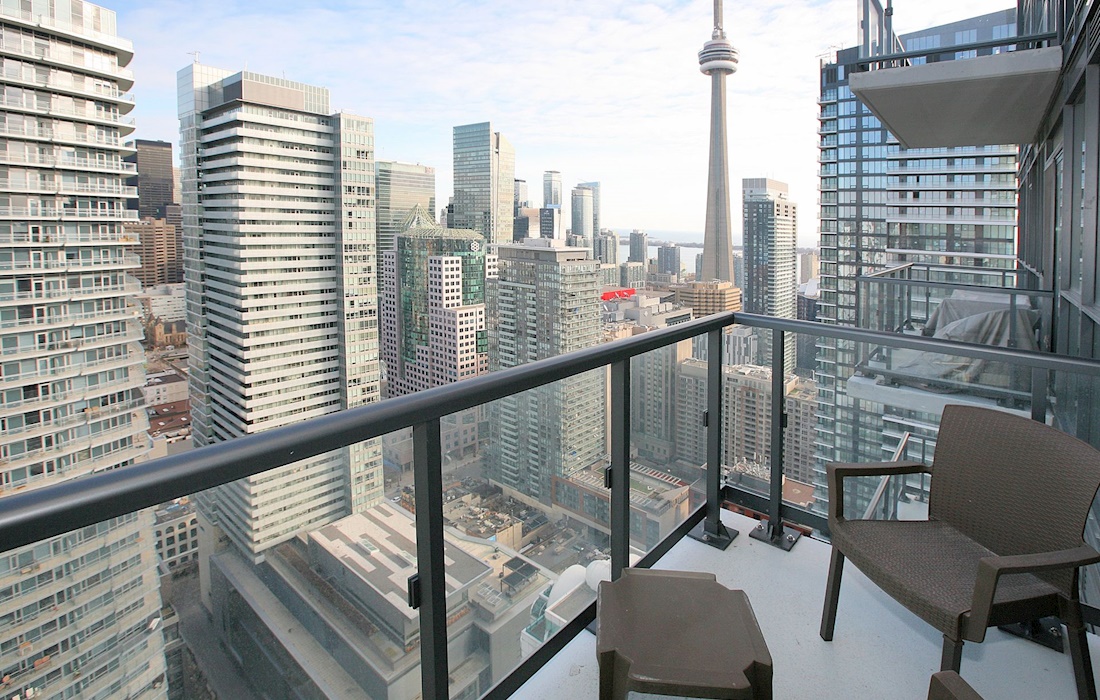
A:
(971, 304)
(487, 511)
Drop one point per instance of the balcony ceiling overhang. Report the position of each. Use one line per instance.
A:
(979, 101)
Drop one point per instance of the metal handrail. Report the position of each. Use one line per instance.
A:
(27, 518)
(30, 517)
(935, 284)
(1032, 39)
(873, 505)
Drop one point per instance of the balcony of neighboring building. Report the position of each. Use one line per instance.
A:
(44, 22)
(953, 96)
(961, 302)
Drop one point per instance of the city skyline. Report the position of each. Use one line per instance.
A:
(461, 530)
(636, 85)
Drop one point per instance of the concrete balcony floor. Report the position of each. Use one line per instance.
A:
(880, 649)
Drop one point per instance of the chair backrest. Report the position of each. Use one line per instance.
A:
(1013, 484)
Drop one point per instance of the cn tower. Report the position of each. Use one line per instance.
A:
(718, 59)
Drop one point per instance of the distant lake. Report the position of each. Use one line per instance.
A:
(687, 255)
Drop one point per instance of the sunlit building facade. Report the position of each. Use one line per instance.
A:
(281, 290)
(484, 182)
(771, 232)
(400, 187)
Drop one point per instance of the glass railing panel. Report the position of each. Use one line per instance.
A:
(81, 613)
(527, 521)
(890, 406)
(901, 497)
(747, 394)
(1074, 407)
(668, 440)
(800, 404)
(302, 579)
(961, 311)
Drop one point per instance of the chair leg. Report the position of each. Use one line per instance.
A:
(832, 595)
(952, 656)
(1079, 650)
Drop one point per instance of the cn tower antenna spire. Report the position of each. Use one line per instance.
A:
(718, 59)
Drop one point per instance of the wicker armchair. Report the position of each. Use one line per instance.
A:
(1003, 540)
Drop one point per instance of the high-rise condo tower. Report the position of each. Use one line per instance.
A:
(75, 610)
(282, 311)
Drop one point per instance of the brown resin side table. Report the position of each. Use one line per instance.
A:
(679, 633)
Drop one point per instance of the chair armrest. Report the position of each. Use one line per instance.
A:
(837, 471)
(990, 570)
(947, 685)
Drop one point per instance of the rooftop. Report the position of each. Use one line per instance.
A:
(650, 489)
(379, 546)
(166, 417)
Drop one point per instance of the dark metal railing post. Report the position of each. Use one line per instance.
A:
(711, 530)
(773, 531)
(1039, 387)
(907, 312)
(1012, 322)
(432, 591)
(619, 473)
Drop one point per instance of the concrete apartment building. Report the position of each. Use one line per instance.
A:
(281, 290)
(652, 377)
(746, 438)
(544, 302)
(161, 251)
(706, 298)
(81, 611)
(768, 286)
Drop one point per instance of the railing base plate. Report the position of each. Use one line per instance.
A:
(1046, 631)
(784, 540)
(719, 540)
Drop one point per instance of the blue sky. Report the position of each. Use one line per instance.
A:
(604, 90)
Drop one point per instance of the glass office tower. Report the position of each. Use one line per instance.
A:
(400, 187)
(484, 182)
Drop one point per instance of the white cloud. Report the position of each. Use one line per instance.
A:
(606, 91)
